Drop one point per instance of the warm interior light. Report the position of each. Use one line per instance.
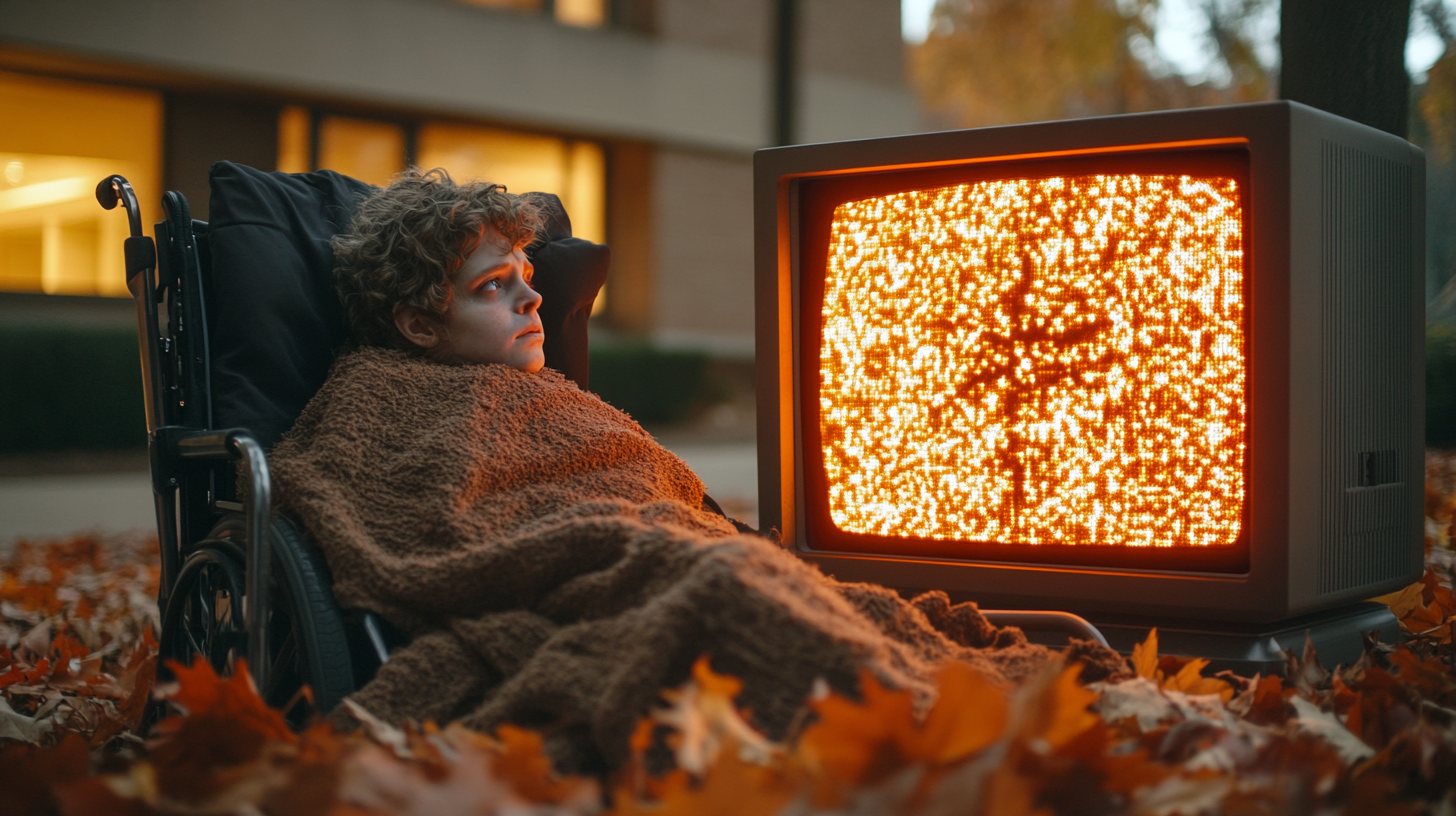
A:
(368, 150)
(575, 171)
(54, 239)
(582, 13)
(293, 137)
(1038, 361)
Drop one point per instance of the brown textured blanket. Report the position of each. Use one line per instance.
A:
(554, 566)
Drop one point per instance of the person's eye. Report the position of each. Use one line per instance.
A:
(491, 285)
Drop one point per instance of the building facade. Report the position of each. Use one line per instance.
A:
(641, 114)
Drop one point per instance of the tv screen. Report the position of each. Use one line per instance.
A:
(1112, 364)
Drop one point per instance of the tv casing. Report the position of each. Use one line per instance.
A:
(1335, 270)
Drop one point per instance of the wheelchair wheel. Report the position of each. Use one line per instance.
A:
(205, 610)
(306, 637)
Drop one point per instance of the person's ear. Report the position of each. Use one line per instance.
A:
(418, 328)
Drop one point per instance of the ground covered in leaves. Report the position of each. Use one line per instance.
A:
(76, 670)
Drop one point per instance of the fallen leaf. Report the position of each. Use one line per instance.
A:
(1310, 719)
(856, 743)
(1055, 708)
(731, 787)
(521, 763)
(1145, 656)
(970, 713)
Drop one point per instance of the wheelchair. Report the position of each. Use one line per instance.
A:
(237, 582)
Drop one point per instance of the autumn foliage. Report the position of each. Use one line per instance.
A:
(1378, 736)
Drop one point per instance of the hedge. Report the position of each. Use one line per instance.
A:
(1441, 385)
(70, 387)
(652, 385)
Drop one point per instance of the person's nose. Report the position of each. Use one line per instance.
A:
(530, 299)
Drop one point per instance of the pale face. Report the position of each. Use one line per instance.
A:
(492, 316)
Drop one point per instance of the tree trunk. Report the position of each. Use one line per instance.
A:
(1347, 57)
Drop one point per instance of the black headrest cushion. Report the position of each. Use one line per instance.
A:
(278, 321)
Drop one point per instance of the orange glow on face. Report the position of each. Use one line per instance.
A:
(1038, 361)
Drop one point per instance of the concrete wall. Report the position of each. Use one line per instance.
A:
(743, 26)
(852, 63)
(853, 39)
(702, 280)
(698, 84)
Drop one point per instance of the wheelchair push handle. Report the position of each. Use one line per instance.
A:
(114, 189)
(141, 253)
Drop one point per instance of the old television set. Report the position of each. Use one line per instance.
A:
(1162, 367)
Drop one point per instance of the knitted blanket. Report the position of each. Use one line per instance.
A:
(555, 567)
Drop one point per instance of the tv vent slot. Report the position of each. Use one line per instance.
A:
(1377, 468)
(1365, 235)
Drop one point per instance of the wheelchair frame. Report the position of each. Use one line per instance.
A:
(192, 468)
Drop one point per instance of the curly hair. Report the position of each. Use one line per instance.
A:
(405, 241)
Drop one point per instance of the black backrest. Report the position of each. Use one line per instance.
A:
(276, 319)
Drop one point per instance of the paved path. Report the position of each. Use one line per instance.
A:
(730, 472)
(55, 505)
(35, 506)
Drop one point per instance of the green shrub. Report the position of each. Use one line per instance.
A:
(70, 387)
(1441, 385)
(652, 385)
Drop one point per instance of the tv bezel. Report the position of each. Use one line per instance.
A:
(1282, 141)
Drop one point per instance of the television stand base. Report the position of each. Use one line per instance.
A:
(1246, 648)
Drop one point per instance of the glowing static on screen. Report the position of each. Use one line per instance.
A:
(1038, 361)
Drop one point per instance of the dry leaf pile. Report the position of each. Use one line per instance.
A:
(1376, 737)
(76, 649)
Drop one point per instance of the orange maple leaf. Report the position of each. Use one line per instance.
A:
(1121, 771)
(856, 743)
(1176, 673)
(1008, 793)
(1429, 676)
(1402, 601)
(1425, 608)
(1145, 656)
(202, 693)
(730, 787)
(1270, 703)
(969, 714)
(225, 730)
(1058, 711)
(521, 762)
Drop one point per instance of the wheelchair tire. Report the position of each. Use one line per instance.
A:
(324, 661)
(306, 636)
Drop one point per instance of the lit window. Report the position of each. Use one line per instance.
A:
(57, 140)
(1040, 361)
(581, 13)
(364, 149)
(293, 128)
(574, 171)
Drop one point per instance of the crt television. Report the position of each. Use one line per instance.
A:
(1155, 364)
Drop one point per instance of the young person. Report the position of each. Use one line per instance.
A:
(552, 564)
(440, 269)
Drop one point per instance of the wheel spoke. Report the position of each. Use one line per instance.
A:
(187, 630)
(284, 667)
